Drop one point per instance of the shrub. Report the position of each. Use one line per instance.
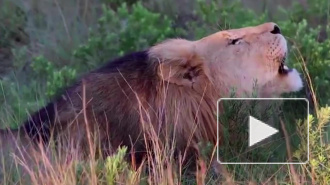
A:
(122, 31)
(12, 22)
(220, 15)
(56, 79)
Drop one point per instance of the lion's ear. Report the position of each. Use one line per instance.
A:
(178, 61)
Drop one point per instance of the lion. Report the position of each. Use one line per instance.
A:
(169, 90)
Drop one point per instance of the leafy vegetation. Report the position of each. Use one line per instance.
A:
(54, 52)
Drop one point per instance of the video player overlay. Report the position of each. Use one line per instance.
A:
(263, 131)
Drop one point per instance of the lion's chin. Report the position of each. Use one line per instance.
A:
(294, 81)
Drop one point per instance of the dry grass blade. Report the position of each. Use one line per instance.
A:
(63, 19)
(88, 132)
(296, 179)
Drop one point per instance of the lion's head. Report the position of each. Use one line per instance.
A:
(243, 59)
(200, 72)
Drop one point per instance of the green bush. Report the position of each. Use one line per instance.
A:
(318, 148)
(122, 31)
(12, 34)
(56, 79)
(212, 17)
(12, 23)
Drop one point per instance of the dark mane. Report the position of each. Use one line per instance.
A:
(38, 124)
(130, 62)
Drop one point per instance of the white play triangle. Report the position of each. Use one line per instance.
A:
(259, 131)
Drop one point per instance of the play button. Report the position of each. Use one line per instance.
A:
(259, 131)
(252, 130)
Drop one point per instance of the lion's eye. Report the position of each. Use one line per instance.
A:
(235, 41)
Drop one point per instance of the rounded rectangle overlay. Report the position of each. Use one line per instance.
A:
(233, 115)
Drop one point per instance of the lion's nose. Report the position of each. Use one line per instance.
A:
(276, 30)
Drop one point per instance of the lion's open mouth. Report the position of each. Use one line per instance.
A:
(283, 69)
